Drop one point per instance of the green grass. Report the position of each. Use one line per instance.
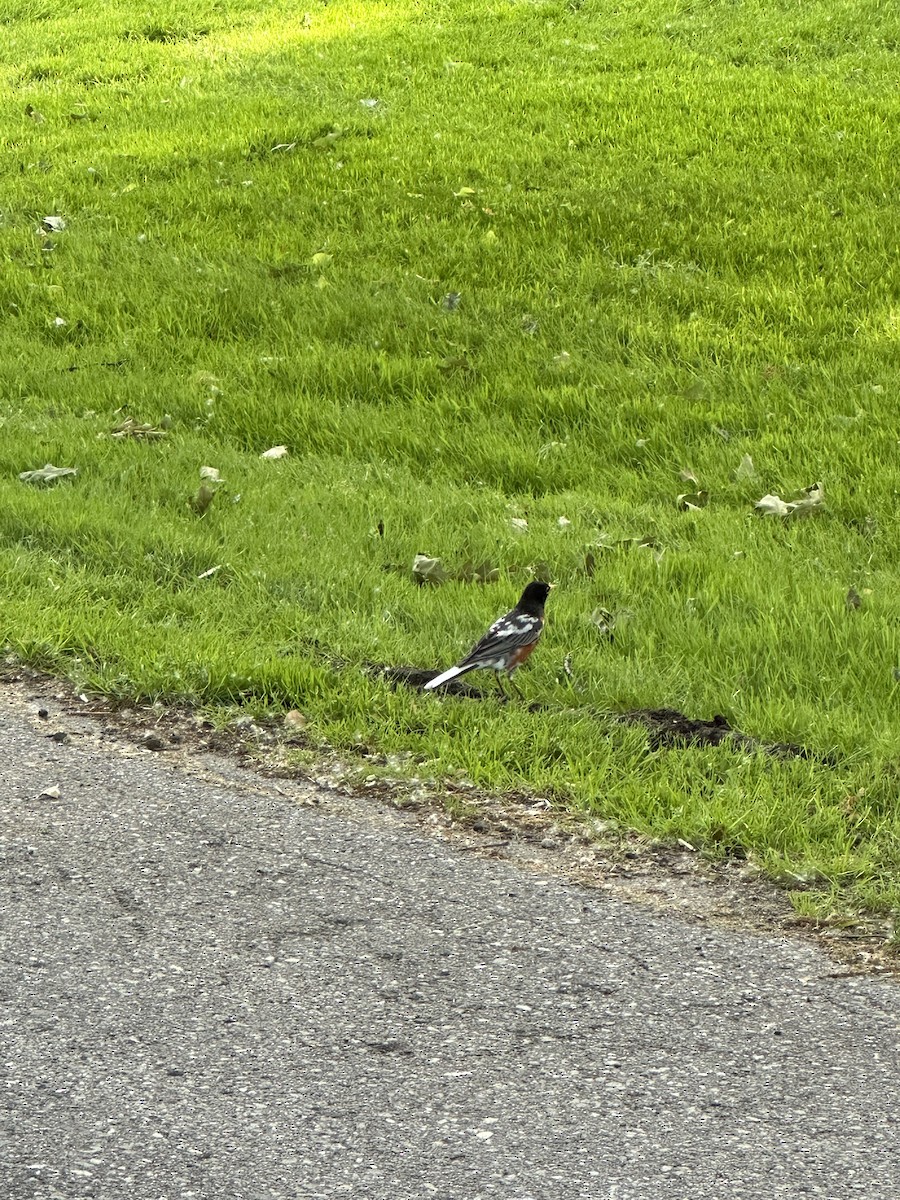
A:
(673, 230)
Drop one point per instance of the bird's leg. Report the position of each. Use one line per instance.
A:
(514, 686)
(503, 695)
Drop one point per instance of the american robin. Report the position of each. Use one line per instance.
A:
(508, 642)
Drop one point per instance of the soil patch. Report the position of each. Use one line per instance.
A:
(666, 727)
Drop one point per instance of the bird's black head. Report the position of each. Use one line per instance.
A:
(534, 598)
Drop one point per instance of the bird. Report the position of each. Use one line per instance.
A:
(508, 643)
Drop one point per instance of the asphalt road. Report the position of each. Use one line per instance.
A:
(211, 989)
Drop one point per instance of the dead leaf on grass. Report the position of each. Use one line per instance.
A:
(275, 452)
(607, 621)
(607, 542)
(130, 428)
(47, 474)
(484, 572)
(745, 469)
(426, 569)
(772, 506)
(812, 499)
(692, 501)
(203, 499)
(651, 544)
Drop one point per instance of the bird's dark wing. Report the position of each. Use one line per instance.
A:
(506, 635)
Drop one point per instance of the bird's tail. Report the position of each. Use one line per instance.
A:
(445, 677)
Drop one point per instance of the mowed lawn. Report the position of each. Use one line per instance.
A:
(532, 288)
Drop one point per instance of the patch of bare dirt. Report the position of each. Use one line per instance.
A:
(666, 727)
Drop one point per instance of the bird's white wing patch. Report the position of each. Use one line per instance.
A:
(512, 626)
(505, 636)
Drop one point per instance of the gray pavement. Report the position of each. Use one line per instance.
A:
(212, 989)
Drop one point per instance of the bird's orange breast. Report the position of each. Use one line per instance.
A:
(519, 655)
